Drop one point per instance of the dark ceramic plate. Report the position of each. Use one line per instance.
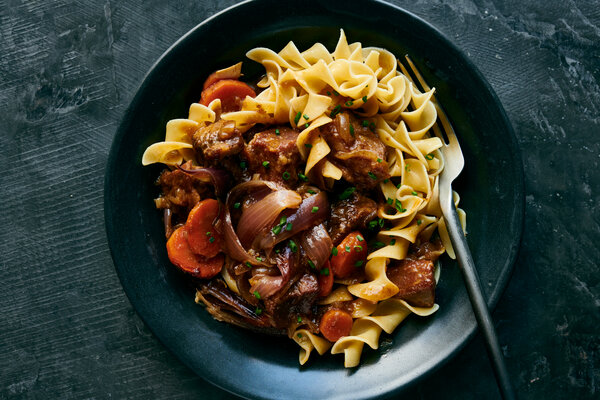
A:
(253, 365)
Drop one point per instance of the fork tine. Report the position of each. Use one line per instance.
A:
(447, 134)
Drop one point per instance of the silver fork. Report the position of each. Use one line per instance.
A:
(453, 164)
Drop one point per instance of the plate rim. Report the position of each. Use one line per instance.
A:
(516, 161)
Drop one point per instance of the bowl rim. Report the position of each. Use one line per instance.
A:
(518, 217)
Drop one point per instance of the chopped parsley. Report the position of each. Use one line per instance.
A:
(399, 206)
(314, 210)
(419, 222)
(379, 160)
(266, 164)
(237, 205)
(335, 111)
(293, 246)
(364, 99)
(347, 193)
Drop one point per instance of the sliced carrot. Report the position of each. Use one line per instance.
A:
(182, 256)
(325, 280)
(232, 72)
(230, 91)
(335, 324)
(202, 235)
(351, 254)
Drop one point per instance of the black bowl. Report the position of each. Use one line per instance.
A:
(258, 366)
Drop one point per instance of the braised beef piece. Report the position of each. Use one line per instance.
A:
(180, 192)
(273, 155)
(414, 275)
(351, 214)
(298, 299)
(356, 150)
(427, 250)
(215, 142)
(415, 280)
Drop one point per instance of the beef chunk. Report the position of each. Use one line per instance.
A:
(349, 215)
(273, 155)
(357, 151)
(180, 192)
(415, 280)
(297, 300)
(217, 141)
(427, 250)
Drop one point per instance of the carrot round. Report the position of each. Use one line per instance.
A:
(202, 237)
(335, 324)
(182, 256)
(349, 255)
(325, 280)
(230, 91)
(232, 72)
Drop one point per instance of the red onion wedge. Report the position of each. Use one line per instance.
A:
(261, 215)
(232, 242)
(317, 245)
(313, 210)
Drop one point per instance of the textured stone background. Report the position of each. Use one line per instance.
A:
(68, 69)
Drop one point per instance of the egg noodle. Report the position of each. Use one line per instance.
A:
(370, 80)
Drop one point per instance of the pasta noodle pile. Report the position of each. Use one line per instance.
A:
(305, 90)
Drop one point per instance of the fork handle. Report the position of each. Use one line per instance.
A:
(478, 302)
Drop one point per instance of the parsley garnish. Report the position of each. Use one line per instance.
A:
(347, 193)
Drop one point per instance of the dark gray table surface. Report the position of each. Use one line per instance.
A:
(68, 71)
